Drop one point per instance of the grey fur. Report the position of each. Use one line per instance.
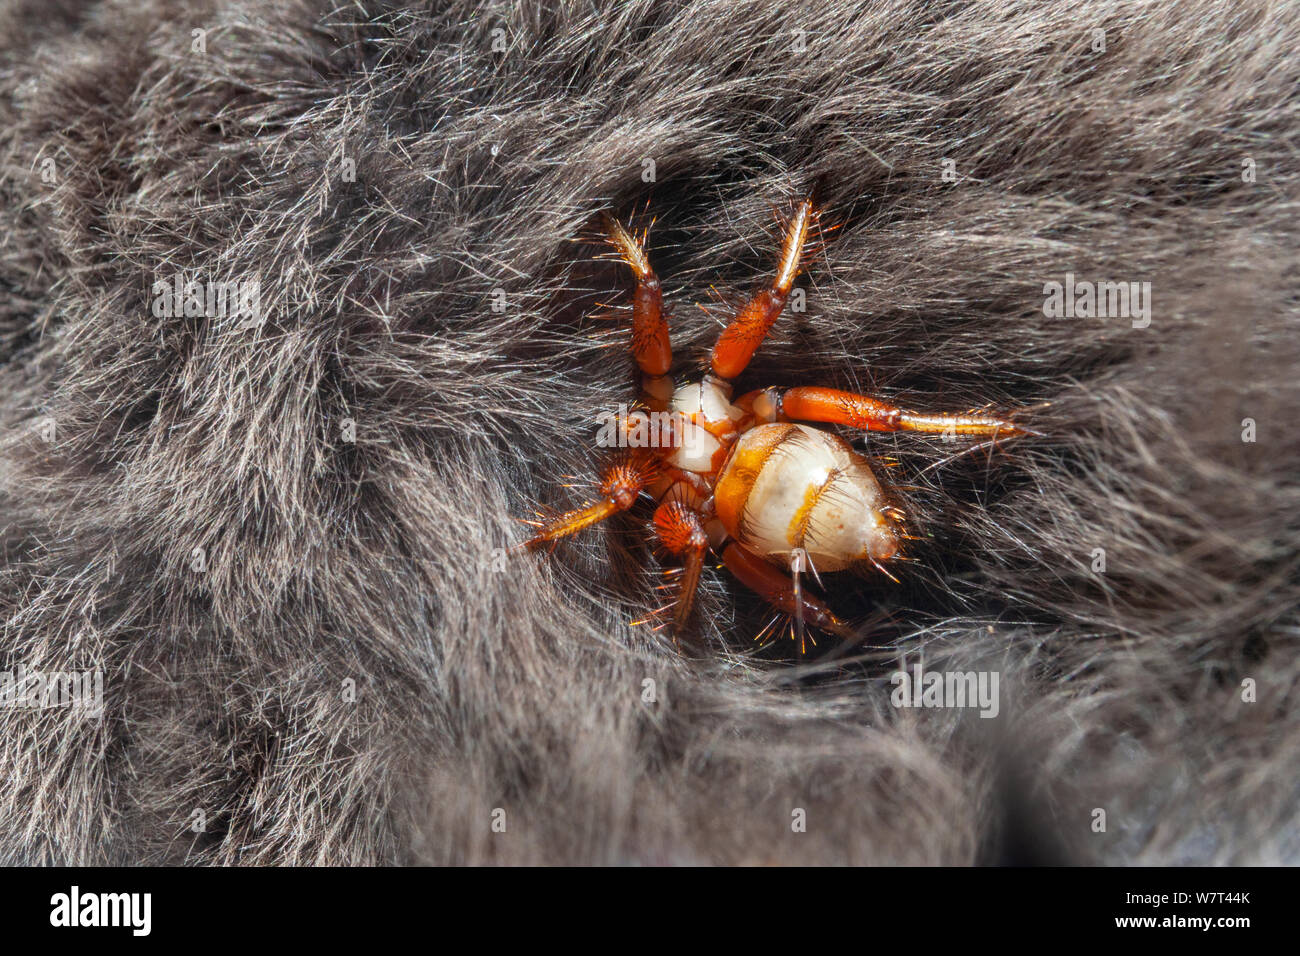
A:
(378, 561)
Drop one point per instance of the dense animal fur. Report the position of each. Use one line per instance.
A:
(485, 681)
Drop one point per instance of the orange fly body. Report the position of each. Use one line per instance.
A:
(749, 479)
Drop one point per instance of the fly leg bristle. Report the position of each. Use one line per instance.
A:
(798, 562)
(767, 628)
(670, 573)
(881, 568)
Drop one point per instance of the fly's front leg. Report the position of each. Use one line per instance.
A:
(812, 404)
(741, 339)
(650, 344)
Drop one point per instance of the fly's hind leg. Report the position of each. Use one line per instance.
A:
(780, 591)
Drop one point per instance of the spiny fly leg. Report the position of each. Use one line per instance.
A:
(620, 484)
(650, 344)
(741, 339)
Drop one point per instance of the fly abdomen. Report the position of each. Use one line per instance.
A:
(788, 486)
